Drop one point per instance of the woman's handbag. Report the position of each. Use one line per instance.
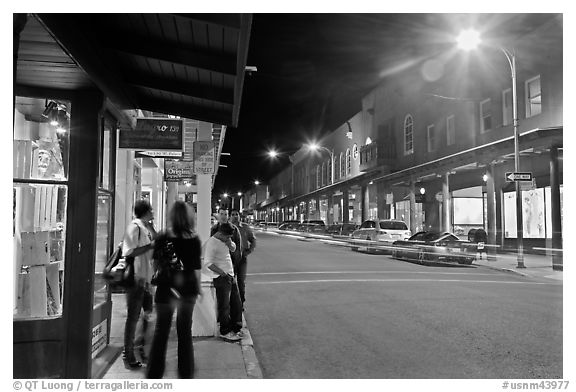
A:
(119, 271)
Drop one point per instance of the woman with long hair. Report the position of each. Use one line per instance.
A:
(181, 295)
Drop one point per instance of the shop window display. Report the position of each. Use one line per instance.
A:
(536, 217)
(40, 159)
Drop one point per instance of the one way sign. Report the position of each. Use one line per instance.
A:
(518, 176)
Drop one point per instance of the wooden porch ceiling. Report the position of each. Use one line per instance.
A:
(189, 65)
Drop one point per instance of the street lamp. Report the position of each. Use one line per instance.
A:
(468, 40)
(274, 154)
(316, 147)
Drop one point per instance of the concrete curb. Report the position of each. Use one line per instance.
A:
(509, 270)
(251, 363)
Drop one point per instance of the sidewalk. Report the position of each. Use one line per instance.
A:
(537, 266)
(214, 358)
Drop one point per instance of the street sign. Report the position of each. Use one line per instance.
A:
(518, 176)
(204, 157)
(175, 171)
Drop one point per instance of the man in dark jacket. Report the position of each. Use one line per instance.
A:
(247, 245)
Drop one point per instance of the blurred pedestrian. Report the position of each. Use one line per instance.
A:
(180, 292)
(218, 264)
(247, 246)
(137, 243)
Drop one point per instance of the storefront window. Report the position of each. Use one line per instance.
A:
(324, 210)
(40, 191)
(468, 215)
(536, 213)
(372, 198)
(355, 206)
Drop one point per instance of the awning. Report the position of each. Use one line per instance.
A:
(188, 65)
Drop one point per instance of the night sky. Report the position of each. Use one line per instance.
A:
(314, 69)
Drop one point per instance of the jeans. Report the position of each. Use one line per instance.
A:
(240, 270)
(134, 299)
(229, 305)
(157, 357)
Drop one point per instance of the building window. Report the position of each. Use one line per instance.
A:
(533, 97)
(485, 116)
(323, 173)
(450, 130)
(317, 176)
(506, 107)
(408, 135)
(342, 165)
(348, 162)
(329, 171)
(355, 151)
(40, 196)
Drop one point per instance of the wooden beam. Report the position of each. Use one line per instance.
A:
(187, 111)
(224, 64)
(88, 55)
(224, 20)
(242, 57)
(195, 90)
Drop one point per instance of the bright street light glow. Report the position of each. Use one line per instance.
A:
(468, 39)
(313, 146)
(256, 182)
(239, 193)
(272, 153)
(225, 195)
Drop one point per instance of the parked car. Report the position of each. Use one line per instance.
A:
(384, 231)
(288, 226)
(342, 229)
(429, 246)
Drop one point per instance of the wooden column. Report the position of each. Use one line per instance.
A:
(80, 235)
(345, 210)
(446, 210)
(557, 256)
(412, 196)
(491, 209)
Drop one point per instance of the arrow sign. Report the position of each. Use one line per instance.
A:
(518, 176)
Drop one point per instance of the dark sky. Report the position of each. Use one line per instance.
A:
(314, 69)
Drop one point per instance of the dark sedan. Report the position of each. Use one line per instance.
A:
(427, 246)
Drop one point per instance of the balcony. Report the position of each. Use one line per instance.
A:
(377, 154)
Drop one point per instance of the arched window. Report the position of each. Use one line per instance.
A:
(323, 173)
(408, 135)
(342, 165)
(329, 171)
(348, 162)
(317, 176)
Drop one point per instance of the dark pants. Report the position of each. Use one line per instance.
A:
(157, 358)
(134, 299)
(229, 305)
(240, 271)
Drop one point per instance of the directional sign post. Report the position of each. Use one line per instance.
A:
(518, 176)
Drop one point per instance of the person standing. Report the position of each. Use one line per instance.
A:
(180, 293)
(137, 243)
(247, 246)
(218, 264)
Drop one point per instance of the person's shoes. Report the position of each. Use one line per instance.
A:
(132, 365)
(143, 355)
(241, 334)
(231, 337)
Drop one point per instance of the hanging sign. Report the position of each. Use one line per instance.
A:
(157, 134)
(389, 198)
(158, 154)
(175, 171)
(204, 157)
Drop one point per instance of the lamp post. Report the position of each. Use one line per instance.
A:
(274, 154)
(468, 40)
(316, 147)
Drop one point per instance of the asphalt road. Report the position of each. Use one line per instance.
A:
(320, 311)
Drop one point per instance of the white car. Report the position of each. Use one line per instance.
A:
(376, 234)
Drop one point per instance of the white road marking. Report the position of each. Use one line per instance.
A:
(364, 272)
(403, 281)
